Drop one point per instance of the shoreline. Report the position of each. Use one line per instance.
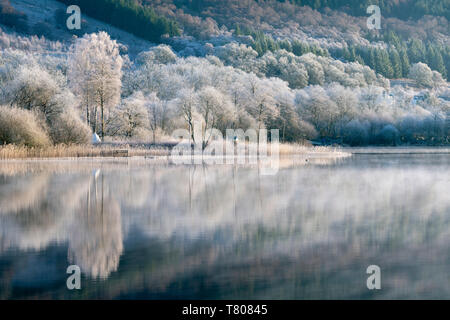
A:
(398, 150)
(127, 151)
(155, 153)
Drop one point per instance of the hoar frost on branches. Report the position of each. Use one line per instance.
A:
(95, 72)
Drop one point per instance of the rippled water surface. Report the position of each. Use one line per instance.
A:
(147, 230)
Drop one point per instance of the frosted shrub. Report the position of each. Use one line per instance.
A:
(68, 128)
(33, 88)
(422, 74)
(161, 54)
(130, 119)
(307, 130)
(22, 127)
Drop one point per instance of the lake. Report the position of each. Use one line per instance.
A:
(143, 229)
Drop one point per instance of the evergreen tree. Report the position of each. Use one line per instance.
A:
(237, 30)
(130, 16)
(285, 44)
(435, 60)
(372, 59)
(346, 54)
(405, 62)
(392, 38)
(417, 51)
(383, 63)
(396, 63)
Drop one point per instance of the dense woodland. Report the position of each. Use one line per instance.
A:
(129, 16)
(402, 9)
(242, 74)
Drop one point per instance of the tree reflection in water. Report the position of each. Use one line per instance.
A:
(227, 232)
(96, 241)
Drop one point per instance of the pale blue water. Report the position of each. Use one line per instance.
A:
(157, 231)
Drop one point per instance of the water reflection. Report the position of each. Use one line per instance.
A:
(96, 242)
(138, 229)
(41, 208)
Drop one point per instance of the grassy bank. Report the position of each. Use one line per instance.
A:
(77, 151)
(135, 150)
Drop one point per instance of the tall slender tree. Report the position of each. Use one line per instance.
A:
(95, 72)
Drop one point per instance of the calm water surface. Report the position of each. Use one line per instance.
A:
(158, 231)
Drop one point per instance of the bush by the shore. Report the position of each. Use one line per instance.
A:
(30, 128)
(22, 127)
(68, 128)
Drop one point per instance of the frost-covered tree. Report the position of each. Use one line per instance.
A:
(422, 74)
(438, 80)
(319, 109)
(157, 113)
(261, 104)
(35, 89)
(315, 71)
(186, 105)
(215, 110)
(285, 65)
(130, 118)
(239, 56)
(161, 54)
(96, 71)
(80, 79)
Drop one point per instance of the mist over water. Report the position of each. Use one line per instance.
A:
(158, 231)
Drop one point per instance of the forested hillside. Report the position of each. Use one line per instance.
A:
(336, 27)
(313, 74)
(403, 9)
(130, 16)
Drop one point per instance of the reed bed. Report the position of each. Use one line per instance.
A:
(76, 151)
(302, 149)
(11, 151)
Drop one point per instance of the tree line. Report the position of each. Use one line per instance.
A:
(399, 9)
(48, 99)
(394, 60)
(263, 43)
